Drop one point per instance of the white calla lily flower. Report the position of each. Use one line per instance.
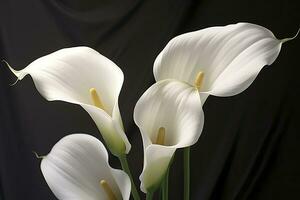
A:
(82, 76)
(226, 59)
(77, 168)
(169, 115)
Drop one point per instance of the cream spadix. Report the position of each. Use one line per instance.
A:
(160, 139)
(96, 99)
(82, 76)
(77, 168)
(108, 190)
(198, 80)
(230, 57)
(169, 115)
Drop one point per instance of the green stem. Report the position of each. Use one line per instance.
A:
(125, 167)
(186, 168)
(149, 195)
(165, 187)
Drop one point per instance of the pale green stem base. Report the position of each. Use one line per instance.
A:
(165, 187)
(125, 167)
(149, 195)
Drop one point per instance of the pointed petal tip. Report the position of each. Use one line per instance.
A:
(14, 83)
(19, 74)
(37, 155)
(291, 38)
(15, 72)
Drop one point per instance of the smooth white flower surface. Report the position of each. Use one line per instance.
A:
(77, 168)
(169, 115)
(230, 57)
(80, 75)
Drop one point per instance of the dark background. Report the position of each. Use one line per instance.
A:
(250, 145)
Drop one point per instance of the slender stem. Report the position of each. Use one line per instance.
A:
(149, 195)
(186, 168)
(125, 167)
(165, 183)
(165, 187)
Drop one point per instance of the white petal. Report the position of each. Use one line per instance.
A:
(156, 162)
(69, 74)
(173, 105)
(76, 165)
(230, 57)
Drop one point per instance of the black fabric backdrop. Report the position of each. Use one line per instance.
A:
(250, 145)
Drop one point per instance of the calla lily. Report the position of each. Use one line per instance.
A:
(225, 60)
(82, 76)
(77, 168)
(169, 115)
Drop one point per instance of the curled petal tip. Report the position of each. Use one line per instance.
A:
(4, 61)
(37, 155)
(15, 72)
(291, 38)
(14, 83)
(11, 69)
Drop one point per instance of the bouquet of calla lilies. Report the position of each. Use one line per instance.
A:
(219, 61)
